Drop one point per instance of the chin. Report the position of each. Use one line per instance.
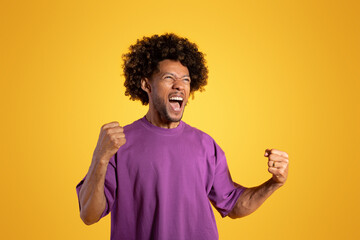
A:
(174, 118)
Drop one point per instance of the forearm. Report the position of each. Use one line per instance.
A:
(91, 196)
(252, 198)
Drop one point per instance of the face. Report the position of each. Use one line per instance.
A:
(169, 90)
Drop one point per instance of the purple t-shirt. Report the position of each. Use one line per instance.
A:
(159, 184)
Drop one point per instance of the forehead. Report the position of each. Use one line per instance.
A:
(172, 66)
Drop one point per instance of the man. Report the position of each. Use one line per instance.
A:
(159, 175)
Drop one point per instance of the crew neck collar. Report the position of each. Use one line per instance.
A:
(160, 130)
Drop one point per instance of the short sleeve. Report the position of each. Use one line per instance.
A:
(110, 186)
(224, 192)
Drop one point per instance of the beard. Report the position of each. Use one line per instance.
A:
(161, 107)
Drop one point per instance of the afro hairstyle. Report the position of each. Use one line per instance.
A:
(143, 58)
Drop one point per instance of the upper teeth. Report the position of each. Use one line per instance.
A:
(176, 98)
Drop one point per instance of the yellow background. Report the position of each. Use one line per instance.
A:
(283, 74)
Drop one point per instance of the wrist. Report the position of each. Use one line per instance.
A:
(99, 166)
(100, 160)
(274, 184)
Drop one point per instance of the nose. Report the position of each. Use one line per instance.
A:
(179, 85)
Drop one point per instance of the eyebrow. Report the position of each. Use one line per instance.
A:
(172, 74)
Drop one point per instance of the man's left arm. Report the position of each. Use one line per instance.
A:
(252, 198)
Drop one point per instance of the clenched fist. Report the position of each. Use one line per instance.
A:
(278, 164)
(111, 138)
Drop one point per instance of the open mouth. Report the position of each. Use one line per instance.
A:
(176, 103)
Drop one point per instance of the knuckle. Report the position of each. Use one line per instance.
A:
(121, 142)
(117, 143)
(118, 129)
(110, 124)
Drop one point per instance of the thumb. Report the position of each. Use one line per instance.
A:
(267, 152)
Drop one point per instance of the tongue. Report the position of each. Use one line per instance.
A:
(175, 105)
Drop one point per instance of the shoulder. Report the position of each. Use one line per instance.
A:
(207, 143)
(133, 127)
(206, 138)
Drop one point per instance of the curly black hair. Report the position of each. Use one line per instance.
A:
(143, 58)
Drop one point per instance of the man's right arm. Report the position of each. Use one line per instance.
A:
(91, 195)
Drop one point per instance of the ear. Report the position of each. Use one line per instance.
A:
(145, 85)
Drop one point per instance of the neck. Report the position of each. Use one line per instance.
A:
(160, 121)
